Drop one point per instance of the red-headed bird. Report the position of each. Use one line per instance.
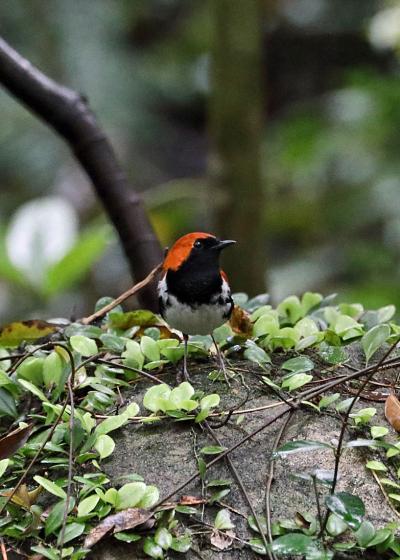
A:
(194, 293)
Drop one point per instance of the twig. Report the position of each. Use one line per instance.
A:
(339, 447)
(385, 494)
(315, 487)
(270, 480)
(70, 384)
(133, 290)
(239, 483)
(129, 368)
(220, 457)
(3, 549)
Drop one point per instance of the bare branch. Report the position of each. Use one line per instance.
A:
(68, 113)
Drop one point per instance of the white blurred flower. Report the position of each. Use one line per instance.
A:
(40, 234)
(384, 29)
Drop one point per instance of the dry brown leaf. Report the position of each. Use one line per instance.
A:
(121, 521)
(10, 443)
(392, 411)
(240, 321)
(191, 501)
(23, 497)
(222, 540)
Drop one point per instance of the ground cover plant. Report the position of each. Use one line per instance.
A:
(66, 391)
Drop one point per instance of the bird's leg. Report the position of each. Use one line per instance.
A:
(185, 374)
(221, 361)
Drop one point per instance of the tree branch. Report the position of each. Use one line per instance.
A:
(68, 113)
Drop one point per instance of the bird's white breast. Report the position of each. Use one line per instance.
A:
(199, 319)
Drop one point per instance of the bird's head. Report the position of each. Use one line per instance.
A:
(196, 249)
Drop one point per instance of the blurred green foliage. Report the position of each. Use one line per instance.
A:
(330, 148)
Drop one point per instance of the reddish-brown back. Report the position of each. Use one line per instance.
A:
(180, 250)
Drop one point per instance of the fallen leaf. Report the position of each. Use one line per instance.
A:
(240, 321)
(138, 318)
(222, 540)
(191, 501)
(165, 332)
(301, 521)
(121, 521)
(11, 442)
(25, 331)
(392, 412)
(23, 497)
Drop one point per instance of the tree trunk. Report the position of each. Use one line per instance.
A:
(236, 125)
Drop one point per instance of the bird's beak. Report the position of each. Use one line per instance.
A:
(224, 243)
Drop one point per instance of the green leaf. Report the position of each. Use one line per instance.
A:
(291, 308)
(83, 345)
(343, 406)
(181, 544)
(386, 313)
(52, 369)
(253, 525)
(374, 339)
(149, 348)
(155, 396)
(209, 401)
(56, 516)
(3, 466)
(105, 445)
(129, 495)
(256, 354)
(133, 356)
(127, 537)
(150, 498)
(72, 531)
(333, 354)
(163, 538)
(378, 431)
(380, 537)
(87, 505)
(152, 549)
(348, 507)
(186, 510)
(335, 525)
(31, 369)
(365, 533)
(257, 546)
(33, 389)
(180, 394)
(50, 486)
(376, 466)
(296, 381)
(7, 404)
(300, 445)
(223, 520)
(298, 364)
(111, 423)
(49, 553)
(292, 543)
(78, 261)
(363, 416)
(212, 450)
(328, 400)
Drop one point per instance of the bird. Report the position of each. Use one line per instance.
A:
(193, 291)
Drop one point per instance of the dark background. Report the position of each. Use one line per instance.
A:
(323, 211)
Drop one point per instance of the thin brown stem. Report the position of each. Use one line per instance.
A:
(132, 291)
(239, 482)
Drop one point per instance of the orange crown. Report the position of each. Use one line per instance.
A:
(180, 250)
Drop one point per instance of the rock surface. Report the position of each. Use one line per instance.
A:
(165, 455)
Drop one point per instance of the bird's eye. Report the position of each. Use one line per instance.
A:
(197, 244)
